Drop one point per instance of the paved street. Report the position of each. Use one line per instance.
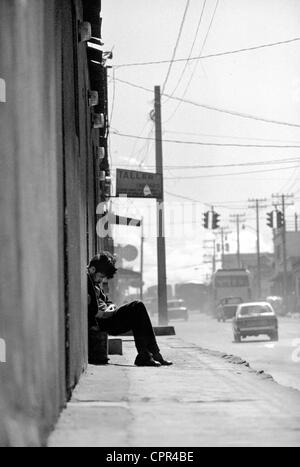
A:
(204, 399)
(280, 359)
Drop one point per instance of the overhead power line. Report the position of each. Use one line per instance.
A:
(191, 49)
(213, 108)
(213, 166)
(242, 138)
(180, 177)
(217, 54)
(176, 45)
(186, 198)
(202, 143)
(197, 63)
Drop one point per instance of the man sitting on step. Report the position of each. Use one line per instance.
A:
(119, 320)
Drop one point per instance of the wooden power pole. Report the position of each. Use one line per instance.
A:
(258, 204)
(161, 243)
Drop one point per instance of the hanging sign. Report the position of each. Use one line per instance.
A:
(133, 184)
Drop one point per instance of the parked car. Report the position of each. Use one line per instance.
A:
(177, 309)
(254, 319)
(227, 308)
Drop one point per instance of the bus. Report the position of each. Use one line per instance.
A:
(230, 283)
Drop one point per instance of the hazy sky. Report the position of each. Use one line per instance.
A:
(264, 83)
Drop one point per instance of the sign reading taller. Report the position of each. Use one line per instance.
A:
(135, 184)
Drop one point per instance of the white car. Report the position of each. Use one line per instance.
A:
(254, 319)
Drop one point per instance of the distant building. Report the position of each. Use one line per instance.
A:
(296, 273)
(249, 261)
(293, 267)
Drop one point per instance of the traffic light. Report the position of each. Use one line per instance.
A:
(280, 219)
(206, 220)
(275, 219)
(216, 221)
(270, 222)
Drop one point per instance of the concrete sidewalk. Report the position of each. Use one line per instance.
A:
(205, 399)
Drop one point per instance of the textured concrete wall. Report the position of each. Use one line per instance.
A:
(30, 273)
(44, 201)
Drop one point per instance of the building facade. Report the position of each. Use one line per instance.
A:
(292, 267)
(54, 172)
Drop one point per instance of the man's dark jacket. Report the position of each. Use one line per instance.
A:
(98, 301)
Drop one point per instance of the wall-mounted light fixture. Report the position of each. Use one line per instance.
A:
(85, 31)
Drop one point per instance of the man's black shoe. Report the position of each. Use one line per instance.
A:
(159, 358)
(146, 360)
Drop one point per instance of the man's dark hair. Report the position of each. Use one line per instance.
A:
(104, 262)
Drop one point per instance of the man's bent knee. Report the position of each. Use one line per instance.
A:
(139, 305)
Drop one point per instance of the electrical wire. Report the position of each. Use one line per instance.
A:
(218, 54)
(213, 166)
(176, 45)
(216, 109)
(195, 67)
(191, 50)
(113, 97)
(228, 174)
(201, 143)
(210, 135)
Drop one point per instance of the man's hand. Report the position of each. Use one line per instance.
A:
(105, 311)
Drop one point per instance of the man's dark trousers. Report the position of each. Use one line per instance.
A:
(132, 317)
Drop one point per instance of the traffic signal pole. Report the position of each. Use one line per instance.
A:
(161, 244)
(285, 281)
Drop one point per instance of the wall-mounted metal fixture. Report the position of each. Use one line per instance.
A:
(85, 31)
(94, 54)
(99, 121)
(2, 90)
(107, 187)
(100, 153)
(102, 176)
(93, 98)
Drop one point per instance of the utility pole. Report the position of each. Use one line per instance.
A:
(223, 231)
(142, 260)
(238, 219)
(258, 204)
(214, 265)
(284, 203)
(296, 222)
(213, 255)
(161, 243)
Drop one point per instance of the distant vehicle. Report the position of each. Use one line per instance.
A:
(152, 291)
(230, 283)
(255, 319)
(195, 295)
(227, 308)
(177, 310)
